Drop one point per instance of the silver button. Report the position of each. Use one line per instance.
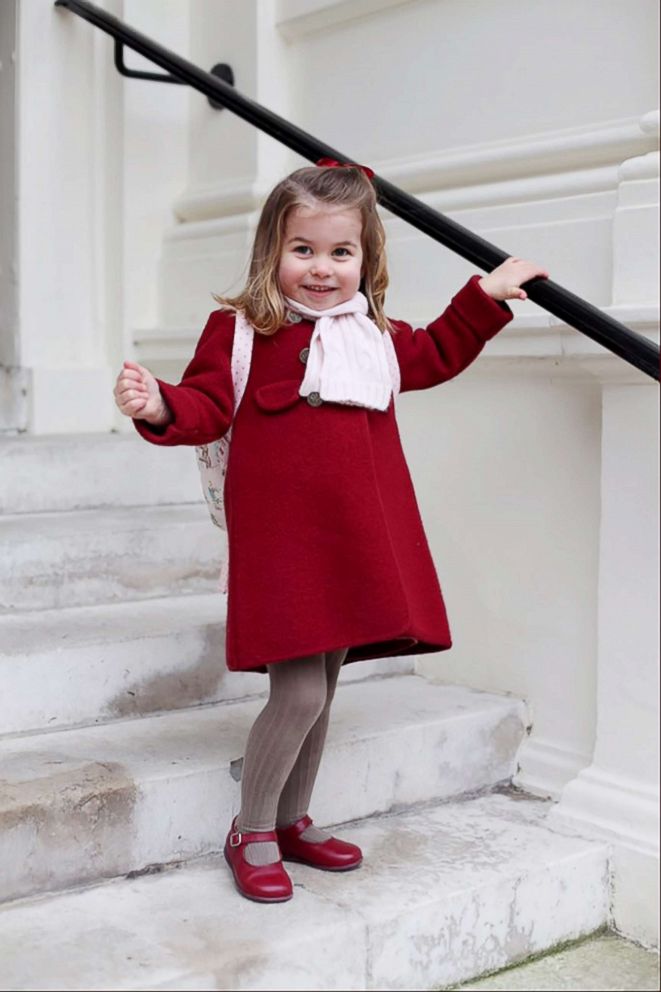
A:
(314, 399)
(293, 317)
(303, 355)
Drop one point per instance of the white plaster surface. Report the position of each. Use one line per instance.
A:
(89, 556)
(94, 664)
(99, 801)
(444, 893)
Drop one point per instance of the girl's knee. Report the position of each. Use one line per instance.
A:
(300, 686)
(307, 701)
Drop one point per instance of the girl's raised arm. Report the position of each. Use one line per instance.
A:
(451, 342)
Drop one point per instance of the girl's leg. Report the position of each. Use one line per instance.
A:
(298, 691)
(295, 796)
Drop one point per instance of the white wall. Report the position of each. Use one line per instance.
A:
(429, 74)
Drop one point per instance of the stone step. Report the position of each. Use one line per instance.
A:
(94, 664)
(84, 471)
(445, 893)
(78, 805)
(53, 560)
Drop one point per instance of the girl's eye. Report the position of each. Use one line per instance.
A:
(342, 251)
(302, 249)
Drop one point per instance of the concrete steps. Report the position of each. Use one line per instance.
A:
(84, 471)
(445, 893)
(79, 805)
(94, 664)
(121, 738)
(54, 560)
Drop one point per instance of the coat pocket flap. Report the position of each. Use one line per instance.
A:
(278, 396)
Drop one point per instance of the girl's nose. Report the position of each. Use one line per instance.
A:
(320, 267)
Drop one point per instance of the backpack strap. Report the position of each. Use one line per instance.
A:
(241, 355)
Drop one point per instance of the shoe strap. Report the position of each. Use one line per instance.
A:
(238, 838)
(297, 828)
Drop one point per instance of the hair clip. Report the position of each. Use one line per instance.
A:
(331, 163)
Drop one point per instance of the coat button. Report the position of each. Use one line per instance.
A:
(314, 399)
(293, 317)
(303, 355)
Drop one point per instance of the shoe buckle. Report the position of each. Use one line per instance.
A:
(235, 839)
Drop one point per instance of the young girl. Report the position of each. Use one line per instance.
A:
(329, 562)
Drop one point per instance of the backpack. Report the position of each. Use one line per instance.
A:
(212, 458)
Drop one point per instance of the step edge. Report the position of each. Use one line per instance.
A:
(492, 700)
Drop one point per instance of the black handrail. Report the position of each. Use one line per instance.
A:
(578, 313)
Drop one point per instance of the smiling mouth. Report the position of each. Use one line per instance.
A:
(319, 289)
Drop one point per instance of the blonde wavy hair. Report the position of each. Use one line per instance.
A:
(347, 186)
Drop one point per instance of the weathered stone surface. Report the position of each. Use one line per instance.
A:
(53, 560)
(84, 822)
(46, 473)
(444, 892)
(14, 404)
(175, 781)
(94, 664)
(603, 963)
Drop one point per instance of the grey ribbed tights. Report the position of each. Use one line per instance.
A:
(284, 748)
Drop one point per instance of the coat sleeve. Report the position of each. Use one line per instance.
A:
(202, 404)
(451, 342)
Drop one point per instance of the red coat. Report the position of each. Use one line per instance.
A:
(327, 548)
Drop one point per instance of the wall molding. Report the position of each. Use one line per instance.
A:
(565, 150)
(236, 196)
(297, 18)
(613, 807)
(545, 766)
(567, 162)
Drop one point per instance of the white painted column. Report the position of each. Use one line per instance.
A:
(68, 148)
(617, 796)
(99, 161)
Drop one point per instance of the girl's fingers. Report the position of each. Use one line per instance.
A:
(130, 374)
(132, 407)
(130, 396)
(136, 371)
(136, 384)
(142, 372)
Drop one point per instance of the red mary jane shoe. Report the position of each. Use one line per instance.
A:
(330, 855)
(263, 883)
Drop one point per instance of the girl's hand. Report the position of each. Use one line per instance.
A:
(504, 282)
(137, 395)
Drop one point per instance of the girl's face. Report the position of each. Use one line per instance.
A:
(322, 257)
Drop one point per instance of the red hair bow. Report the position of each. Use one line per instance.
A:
(331, 163)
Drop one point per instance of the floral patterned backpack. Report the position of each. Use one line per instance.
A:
(212, 458)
